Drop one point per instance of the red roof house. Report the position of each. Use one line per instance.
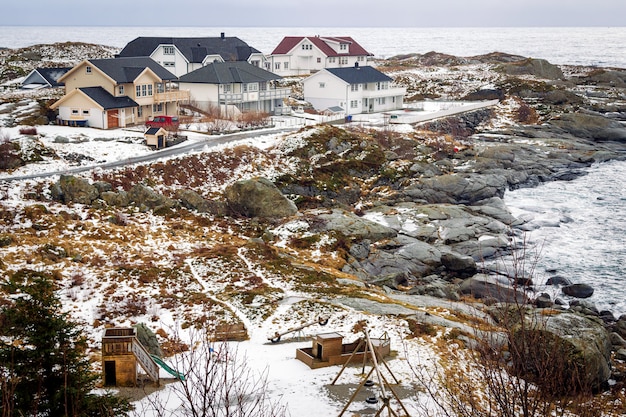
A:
(303, 55)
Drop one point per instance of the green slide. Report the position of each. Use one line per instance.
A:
(165, 366)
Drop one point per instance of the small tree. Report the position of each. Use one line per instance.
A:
(44, 368)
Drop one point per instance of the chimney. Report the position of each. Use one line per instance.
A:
(222, 35)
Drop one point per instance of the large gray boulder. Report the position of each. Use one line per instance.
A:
(537, 67)
(591, 126)
(351, 225)
(74, 189)
(563, 352)
(258, 197)
(146, 198)
(578, 290)
(194, 201)
(457, 189)
(488, 287)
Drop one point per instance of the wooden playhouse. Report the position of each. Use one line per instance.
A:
(328, 349)
(121, 353)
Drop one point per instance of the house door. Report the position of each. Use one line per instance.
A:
(113, 119)
(160, 141)
(319, 352)
(110, 379)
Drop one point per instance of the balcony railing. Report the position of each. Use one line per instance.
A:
(172, 95)
(389, 92)
(254, 96)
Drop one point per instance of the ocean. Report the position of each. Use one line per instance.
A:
(582, 233)
(583, 236)
(600, 46)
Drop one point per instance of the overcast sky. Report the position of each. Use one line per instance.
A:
(317, 13)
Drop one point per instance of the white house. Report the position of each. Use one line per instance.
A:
(234, 86)
(303, 55)
(183, 55)
(356, 90)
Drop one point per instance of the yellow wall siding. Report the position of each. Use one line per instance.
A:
(80, 78)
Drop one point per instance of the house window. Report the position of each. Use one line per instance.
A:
(143, 90)
(322, 85)
(353, 104)
(169, 64)
(140, 111)
(343, 47)
(168, 50)
(120, 90)
(160, 88)
(157, 108)
(343, 60)
(277, 65)
(88, 69)
(255, 63)
(319, 60)
(286, 65)
(252, 86)
(306, 46)
(85, 112)
(227, 88)
(382, 100)
(75, 112)
(354, 87)
(361, 58)
(331, 59)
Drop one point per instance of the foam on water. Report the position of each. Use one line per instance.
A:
(583, 231)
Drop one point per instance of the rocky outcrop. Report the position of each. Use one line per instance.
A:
(146, 198)
(578, 290)
(563, 351)
(490, 288)
(591, 126)
(258, 197)
(74, 189)
(194, 201)
(353, 226)
(536, 67)
(457, 189)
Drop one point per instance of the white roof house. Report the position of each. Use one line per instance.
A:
(356, 89)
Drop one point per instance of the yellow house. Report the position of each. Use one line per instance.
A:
(117, 92)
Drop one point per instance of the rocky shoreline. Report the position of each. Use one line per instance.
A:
(421, 215)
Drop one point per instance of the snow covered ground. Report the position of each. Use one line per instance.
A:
(303, 391)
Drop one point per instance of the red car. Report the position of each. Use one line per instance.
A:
(166, 122)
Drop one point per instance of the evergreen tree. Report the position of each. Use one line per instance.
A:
(44, 370)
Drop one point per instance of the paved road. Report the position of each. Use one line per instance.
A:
(185, 147)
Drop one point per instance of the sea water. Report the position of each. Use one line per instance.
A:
(581, 231)
(598, 46)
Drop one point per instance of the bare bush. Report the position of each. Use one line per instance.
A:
(217, 383)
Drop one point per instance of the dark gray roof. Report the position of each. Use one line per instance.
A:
(194, 49)
(228, 73)
(125, 70)
(359, 75)
(106, 99)
(52, 75)
(152, 131)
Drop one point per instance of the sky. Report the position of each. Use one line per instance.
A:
(319, 13)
